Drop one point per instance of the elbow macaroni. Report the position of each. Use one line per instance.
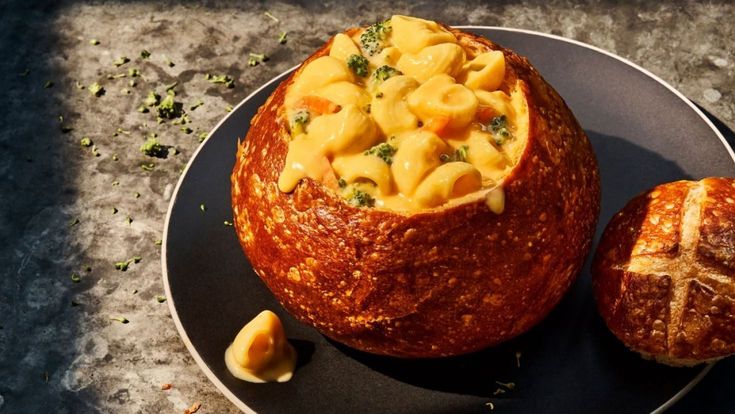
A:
(435, 116)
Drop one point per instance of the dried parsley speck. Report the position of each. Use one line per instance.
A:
(158, 242)
(85, 142)
(74, 222)
(196, 105)
(48, 84)
(128, 220)
(203, 136)
(114, 210)
(160, 298)
(94, 42)
(282, 39)
(228, 223)
(203, 207)
(120, 319)
(75, 278)
(144, 54)
(270, 16)
(136, 194)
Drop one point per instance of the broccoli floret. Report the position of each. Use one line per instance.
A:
(499, 127)
(358, 64)
(460, 154)
(384, 151)
(385, 72)
(152, 148)
(360, 198)
(372, 38)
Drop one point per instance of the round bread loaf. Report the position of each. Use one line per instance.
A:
(664, 272)
(441, 281)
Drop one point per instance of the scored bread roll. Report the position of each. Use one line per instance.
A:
(664, 272)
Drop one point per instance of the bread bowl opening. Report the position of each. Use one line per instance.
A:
(409, 116)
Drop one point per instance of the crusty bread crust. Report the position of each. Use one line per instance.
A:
(664, 272)
(439, 282)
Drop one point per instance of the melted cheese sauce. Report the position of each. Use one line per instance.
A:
(260, 352)
(401, 117)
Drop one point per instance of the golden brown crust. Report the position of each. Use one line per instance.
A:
(663, 272)
(435, 283)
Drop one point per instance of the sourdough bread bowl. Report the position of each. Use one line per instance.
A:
(416, 191)
(664, 272)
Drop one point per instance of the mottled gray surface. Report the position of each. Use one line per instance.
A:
(55, 357)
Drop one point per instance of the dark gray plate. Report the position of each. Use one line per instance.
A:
(644, 133)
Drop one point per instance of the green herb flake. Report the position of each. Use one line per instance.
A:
(283, 38)
(227, 223)
(168, 108)
(270, 16)
(96, 89)
(342, 183)
(129, 220)
(379, 95)
(85, 142)
(75, 278)
(136, 259)
(170, 88)
(373, 37)
(115, 157)
(148, 167)
(386, 72)
(358, 64)
(94, 151)
(73, 222)
(144, 54)
(115, 183)
(136, 194)
(125, 91)
(143, 109)
(79, 85)
(114, 210)
(203, 207)
(120, 319)
(170, 63)
(228, 108)
(256, 58)
(384, 151)
(94, 42)
(133, 72)
(116, 76)
(203, 136)
(121, 61)
(122, 266)
(358, 198)
(48, 84)
(196, 105)
(132, 83)
(158, 242)
(186, 130)
(153, 148)
(160, 298)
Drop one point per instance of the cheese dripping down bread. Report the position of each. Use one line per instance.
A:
(417, 191)
(413, 122)
(664, 272)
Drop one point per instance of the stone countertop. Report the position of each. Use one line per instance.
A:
(69, 209)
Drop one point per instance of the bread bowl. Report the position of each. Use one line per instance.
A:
(450, 215)
(664, 272)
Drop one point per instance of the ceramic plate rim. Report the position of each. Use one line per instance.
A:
(164, 265)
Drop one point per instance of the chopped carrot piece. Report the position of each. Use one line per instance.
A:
(317, 105)
(329, 177)
(436, 124)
